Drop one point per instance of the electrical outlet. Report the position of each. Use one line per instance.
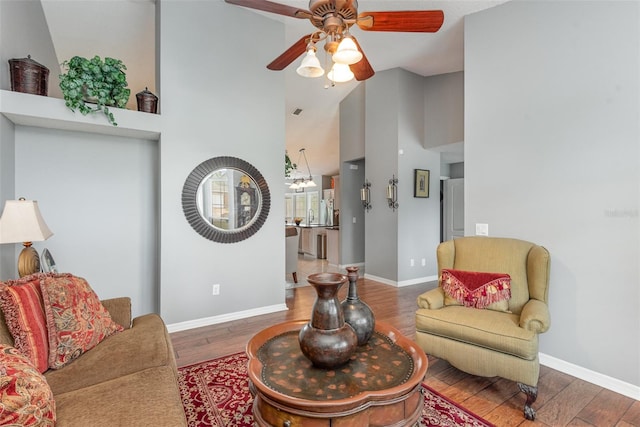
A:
(354, 219)
(411, 262)
(424, 262)
(216, 289)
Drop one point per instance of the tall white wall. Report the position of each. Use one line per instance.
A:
(218, 99)
(552, 155)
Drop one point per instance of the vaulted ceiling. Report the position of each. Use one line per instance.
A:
(125, 29)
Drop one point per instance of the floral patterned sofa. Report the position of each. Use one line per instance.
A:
(86, 363)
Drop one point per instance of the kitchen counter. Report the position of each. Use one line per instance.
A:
(309, 238)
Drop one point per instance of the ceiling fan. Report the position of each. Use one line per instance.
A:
(333, 19)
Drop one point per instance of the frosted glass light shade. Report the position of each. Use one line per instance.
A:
(340, 73)
(347, 52)
(310, 66)
(310, 183)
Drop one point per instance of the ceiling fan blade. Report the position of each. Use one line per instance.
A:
(362, 69)
(409, 21)
(290, 55)
(269, 6)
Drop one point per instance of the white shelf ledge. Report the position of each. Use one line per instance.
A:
(51, 113)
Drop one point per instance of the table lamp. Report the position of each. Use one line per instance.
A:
(21, 221)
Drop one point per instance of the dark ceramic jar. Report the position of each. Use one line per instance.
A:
(327, 340)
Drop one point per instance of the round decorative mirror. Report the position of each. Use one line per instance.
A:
(226, 199)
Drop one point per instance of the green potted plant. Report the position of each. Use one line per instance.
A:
(98, 82)
(288, 166)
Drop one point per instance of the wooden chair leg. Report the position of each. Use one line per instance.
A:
(295, 277)
(532, 395)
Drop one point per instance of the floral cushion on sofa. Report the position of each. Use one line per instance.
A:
(76, 319)
(27, 399)
(22, 306)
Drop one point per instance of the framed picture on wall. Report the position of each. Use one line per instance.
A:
(421, 183)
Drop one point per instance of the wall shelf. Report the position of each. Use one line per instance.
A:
(51, 113)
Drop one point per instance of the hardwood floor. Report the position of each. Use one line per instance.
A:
(562, 399)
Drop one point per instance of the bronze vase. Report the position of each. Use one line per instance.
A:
(356, 312)
(327, 340)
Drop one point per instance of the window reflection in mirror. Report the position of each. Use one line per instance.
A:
(228, 200)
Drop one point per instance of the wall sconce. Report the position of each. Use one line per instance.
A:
(365, 195)
(392, 193)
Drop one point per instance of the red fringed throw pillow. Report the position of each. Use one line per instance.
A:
(476, 289)
(23, 309)
(76, 319)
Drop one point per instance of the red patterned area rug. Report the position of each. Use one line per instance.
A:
(216, 393)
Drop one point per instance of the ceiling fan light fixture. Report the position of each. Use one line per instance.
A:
(340, 73)
(347, 52)
(310, 66)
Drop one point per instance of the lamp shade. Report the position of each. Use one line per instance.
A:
(340, 73)
(310, 66)
(21, 221)
(347, 52)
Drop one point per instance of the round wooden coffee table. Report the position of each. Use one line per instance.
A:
(379, 386)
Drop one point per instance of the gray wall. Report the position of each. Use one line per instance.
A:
(395, 135)
(114, 203)
(418, 218)
(552, 156)
(218, 99)
(352, 152)
(99, 196)
(381, 154)
(24, 31)
(444, 109)
(352, 214)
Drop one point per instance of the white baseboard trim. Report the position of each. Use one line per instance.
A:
(593, 377)
(381, 280)
(402, 283)
(214, 320)
(417, 281)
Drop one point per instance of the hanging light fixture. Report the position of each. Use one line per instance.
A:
(341, 51)
(340, 73)
(303, 182)
(310, 66)
(347, 52)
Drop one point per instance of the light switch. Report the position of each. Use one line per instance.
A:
(482, 229)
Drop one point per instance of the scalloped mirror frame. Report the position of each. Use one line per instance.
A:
(190, 205)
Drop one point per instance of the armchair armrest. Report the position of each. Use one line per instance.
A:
(432, 299)
(120, 310)
(535, 316)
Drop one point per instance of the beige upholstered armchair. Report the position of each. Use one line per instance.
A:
(498, 340)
